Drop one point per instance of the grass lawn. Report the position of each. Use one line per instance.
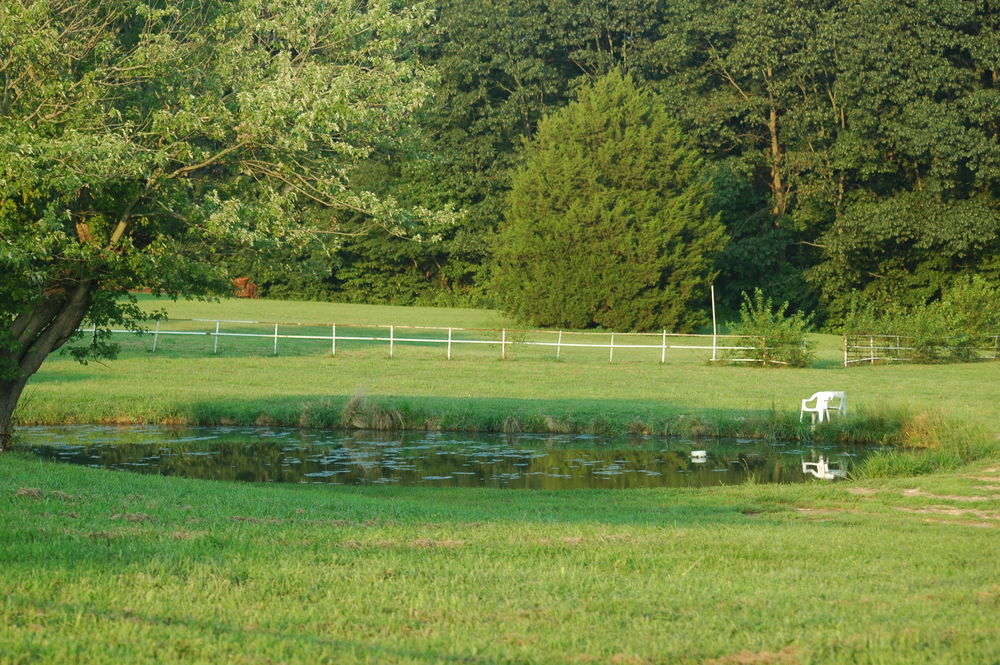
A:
(102, 566)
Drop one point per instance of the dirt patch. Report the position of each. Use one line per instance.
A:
(257, 520)
(787, 656)
(824, 511)
(616, 538)
(133, 517)
(862, 491)
(981, 525)
(952, 512)
(447, 543)
(184, 534)
(29, 493)
(945, 497)
(629, 659)
(113, 534)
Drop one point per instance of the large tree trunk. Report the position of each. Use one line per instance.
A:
(35, 334)
(10, 393)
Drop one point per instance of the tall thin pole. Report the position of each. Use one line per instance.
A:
(611, 356)
(715, 329)
(559, 345)
(275, 339)
(156, 335)
(503, 344)
(663, 348)
(333, 340)
(449, 343)
(216, 348)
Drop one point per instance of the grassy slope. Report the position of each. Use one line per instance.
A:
(475, 390)
(104, 567)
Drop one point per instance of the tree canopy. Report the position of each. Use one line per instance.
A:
(140, 141)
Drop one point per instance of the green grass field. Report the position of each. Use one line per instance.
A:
(184, 382)
(101, 567)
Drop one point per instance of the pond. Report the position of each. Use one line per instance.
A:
(438, 459)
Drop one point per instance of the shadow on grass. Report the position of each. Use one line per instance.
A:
(210, 630)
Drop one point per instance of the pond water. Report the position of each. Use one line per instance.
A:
(441, 459)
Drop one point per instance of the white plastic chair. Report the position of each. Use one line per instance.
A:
(822, 404)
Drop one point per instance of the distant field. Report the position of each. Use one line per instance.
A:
(185, 382)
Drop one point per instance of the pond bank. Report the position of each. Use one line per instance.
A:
(926, 440)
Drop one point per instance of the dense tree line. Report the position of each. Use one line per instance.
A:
(852, 146)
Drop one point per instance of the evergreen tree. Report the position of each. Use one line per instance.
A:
(607, 222)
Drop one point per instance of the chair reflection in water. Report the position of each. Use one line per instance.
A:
(822, 404)
(825, 470)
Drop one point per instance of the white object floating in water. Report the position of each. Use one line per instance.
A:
(699, 456)
(825, 470)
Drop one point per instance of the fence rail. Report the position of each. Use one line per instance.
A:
(504, 340)
(883, 348)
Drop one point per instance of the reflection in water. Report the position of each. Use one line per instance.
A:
(524, 461)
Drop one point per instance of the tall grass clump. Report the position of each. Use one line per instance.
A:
(360, 412)
(775, 335)
(927, 442)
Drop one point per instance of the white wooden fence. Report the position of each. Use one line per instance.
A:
(727, 346)
(874, 349)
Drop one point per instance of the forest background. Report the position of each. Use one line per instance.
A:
(850, 146)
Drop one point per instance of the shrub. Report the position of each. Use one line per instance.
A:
(950, 329)
(775, 335)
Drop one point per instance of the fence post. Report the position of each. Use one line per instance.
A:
(763, 350)
(215, 349)
(156, 335)
(275, 339)
(845, 350)
(611, 357)
(449, 343)
(559, 345)
(392, 340)
(871, 349)
(663, 348)
(996, 344)
(333, 340)
(503, 344)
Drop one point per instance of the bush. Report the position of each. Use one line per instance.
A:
(774, 335)
(950, 329)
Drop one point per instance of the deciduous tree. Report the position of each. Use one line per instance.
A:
(139, 138)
